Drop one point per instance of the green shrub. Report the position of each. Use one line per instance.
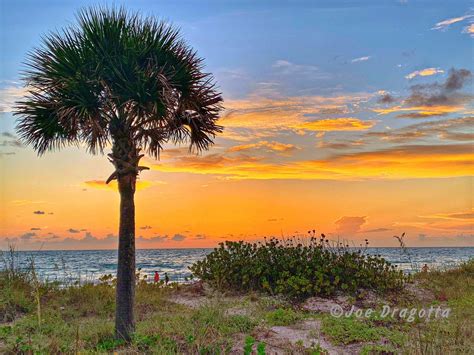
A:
(296, 269)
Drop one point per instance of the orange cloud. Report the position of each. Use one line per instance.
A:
(443, 25)
(469, 30)
(265, 145)
(411, 161)
(422, 111)
(242, 134)
(462, 215)
(336, 124)
(260, 117)
(424, 72)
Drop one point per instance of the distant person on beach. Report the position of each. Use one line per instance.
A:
(157, 277)
(425, 268)
(167, 279)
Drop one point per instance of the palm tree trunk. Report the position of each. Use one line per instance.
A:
(125, 292)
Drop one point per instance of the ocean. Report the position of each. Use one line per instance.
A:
(70, 266)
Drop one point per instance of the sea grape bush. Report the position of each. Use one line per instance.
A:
(297, 268)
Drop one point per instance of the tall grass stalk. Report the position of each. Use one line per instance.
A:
(9, 260)
(36, 288)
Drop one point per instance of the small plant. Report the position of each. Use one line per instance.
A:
(261, 349)
(248, 345)
(241, 322)
(282, 316)
(317, 350)
(144, 342)
(109, 344)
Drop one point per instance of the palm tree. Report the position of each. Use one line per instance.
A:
(120, 79)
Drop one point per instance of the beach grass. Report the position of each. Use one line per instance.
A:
(454, 288)
(38, 317)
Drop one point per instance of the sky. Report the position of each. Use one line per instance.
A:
(353, 118)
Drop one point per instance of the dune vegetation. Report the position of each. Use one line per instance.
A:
(297, 268)
(200, 318)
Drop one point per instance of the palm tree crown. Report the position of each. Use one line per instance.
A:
(117, 74)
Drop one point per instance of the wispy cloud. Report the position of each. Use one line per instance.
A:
(377, 230)
(340, 145)
(421, 111)
(448, 129)
(9, 95)
(424, 72)
(336, 124)
(458, 215)
(9, 135)
(10, 140)
(286, 67)
(294, 78)
(469, 30)
(360, 59)
(444, 25)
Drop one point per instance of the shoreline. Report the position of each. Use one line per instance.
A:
(89, 266)
(212, 248)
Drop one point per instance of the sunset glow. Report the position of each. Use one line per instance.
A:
(361, 137)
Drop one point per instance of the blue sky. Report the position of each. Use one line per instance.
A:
(248, 37)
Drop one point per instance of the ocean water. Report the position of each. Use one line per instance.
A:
(89, 265)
